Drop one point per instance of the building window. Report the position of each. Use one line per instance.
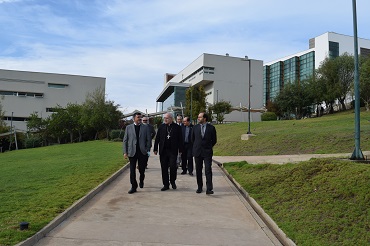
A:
(51, 110)
(22, 94)
(59, 86)
(333, 49)
(364, 51)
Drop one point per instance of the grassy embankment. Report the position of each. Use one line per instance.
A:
(38, 184)
(318, 202)
(315, 203)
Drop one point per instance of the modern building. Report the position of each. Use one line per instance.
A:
(302, 65)
(23, 93)
(224, 78)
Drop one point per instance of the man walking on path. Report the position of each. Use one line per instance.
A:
(136, 145)
(169, 139)
(204, 137)
(187, 155)
(152, 134)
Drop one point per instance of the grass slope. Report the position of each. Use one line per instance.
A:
(318, 202)
(38, 184)
(327, 134)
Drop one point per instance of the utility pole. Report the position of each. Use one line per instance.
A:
(357, 153)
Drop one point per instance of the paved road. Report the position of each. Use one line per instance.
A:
(173, 217)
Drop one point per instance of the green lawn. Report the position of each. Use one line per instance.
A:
(323, 135)
(38, 184)
(317, 202)
(322, 202)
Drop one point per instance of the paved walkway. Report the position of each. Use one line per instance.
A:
(173, 217)
(281, 159)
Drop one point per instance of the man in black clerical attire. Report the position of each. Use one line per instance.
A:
(169, 139)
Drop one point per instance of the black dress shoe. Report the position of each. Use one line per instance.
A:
(191, 174)
(165, 188)
(131, 191)
(199, 191)
(209, 192)
(141, 184)
(183, 173)
(174, 186)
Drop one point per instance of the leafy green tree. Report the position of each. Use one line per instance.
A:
(39, 126)
(3, 127)
(294, 99)
(316, 89)
(328, 76)
(220, 109)
(195, 101)
(365, 81)
(99, 114)
(345, 68)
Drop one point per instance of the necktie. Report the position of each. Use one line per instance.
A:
(203, 130)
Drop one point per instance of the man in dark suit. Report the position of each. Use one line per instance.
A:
(187, 154)
(169, 139)
(136, 146)
(152, 134)
(204, 137)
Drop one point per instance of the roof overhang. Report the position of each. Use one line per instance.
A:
(169, 89)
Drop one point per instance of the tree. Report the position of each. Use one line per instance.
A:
(220, 109)
(195, 101)
(328, 76)
(99, 114)
(294, 99)
(365, 81)
(3, 127)
(316, 89)
(345, 68)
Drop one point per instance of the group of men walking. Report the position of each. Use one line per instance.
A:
(171, 140)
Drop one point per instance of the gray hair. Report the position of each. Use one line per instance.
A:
(170, 115)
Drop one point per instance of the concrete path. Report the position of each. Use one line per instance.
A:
(172, 217)
(281, 159)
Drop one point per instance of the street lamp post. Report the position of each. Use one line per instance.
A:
(249, 97)
(357, 154)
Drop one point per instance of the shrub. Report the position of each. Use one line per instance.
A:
(268, 116)
(33, 142)
(114, 134)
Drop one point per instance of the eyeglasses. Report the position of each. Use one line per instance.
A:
(145, 120)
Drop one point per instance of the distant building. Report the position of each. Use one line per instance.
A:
(22, 93)
(224, 78)
(302, 65)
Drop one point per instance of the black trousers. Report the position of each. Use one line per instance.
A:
(187, 163)
(168, 160)
(141, 160)
(208, 171)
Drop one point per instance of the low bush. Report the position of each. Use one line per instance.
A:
(268, 116)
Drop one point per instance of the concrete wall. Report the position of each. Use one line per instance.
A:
(75, 91)
(229, 82)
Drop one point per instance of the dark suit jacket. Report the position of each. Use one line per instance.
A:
(177, 144)
(184, 131)
(203, 146)
(152, 131)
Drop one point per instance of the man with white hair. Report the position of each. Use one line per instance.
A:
(169, 140)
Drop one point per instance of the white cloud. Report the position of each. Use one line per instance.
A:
(134, 43)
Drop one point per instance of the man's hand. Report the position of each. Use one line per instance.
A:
(125, 156)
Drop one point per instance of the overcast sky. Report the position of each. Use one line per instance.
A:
(134, 43)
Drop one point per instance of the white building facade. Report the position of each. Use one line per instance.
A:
(224, 78)
(23, 93)
(300, 66)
